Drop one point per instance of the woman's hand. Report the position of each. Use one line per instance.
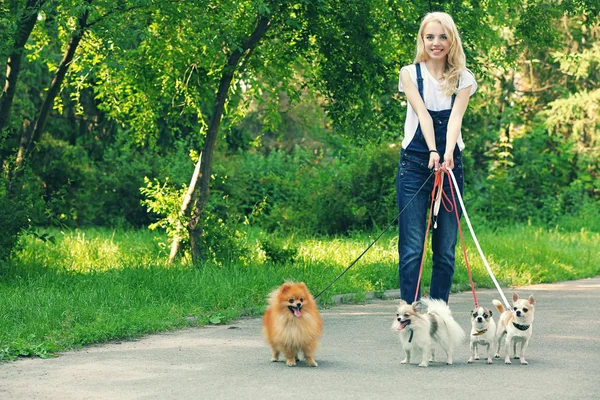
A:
(434, 160)
(449, 159)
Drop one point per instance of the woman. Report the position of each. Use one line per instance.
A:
(438, 87)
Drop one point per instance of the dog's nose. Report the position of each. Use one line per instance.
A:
(298, 305)
(479, 319)
(518, 313)
(399, 319)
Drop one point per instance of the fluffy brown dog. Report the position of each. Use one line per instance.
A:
(292, 323)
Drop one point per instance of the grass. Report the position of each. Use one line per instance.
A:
(97, 285)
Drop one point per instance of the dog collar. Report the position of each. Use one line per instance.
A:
(521, 327)
(479, 333)
(411, 335)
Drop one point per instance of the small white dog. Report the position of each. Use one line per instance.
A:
(516, 324)
(421, 324)
(483, 332)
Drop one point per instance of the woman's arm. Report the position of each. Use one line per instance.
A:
(415, 100)
(454, 124)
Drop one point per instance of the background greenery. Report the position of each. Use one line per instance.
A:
(303, 170)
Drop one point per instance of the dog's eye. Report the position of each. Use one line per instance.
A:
(302, 299)
(397, 315)
(291, 300)
(406, 315)
(474, 315)
(525, 310)
(485, 316)
(515, 308)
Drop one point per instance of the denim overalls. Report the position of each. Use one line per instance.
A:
(412, 224)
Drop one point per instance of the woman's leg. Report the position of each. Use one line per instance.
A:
(412, 222)
(443, 240)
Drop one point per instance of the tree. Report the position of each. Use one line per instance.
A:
(25, 17)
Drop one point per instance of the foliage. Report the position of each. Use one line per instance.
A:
(22, 208)
(224, 241)
(277, 252)
(311, 114)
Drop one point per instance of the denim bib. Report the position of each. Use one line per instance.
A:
(418, 146)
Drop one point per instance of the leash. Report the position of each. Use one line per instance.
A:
(376, 239)
(435, 207)
(487, 266)
(464, 248)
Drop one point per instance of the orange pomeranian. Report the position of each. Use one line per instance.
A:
(292, 323)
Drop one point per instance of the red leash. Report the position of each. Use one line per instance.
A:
(437, 184)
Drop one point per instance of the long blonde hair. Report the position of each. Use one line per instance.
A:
(456, 60)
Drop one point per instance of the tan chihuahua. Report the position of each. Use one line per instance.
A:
(516, 324)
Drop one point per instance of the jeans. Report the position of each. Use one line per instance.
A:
(412, 224)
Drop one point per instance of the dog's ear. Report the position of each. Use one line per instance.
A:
(285, 287)
(303, 285)
(418, 306)
(490, 312)
(531, 300)
(402, 303)
(515, 296)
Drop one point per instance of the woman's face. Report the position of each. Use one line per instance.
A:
(437, 43)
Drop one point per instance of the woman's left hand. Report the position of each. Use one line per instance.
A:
(449, 160)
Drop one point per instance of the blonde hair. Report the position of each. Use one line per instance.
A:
(456, 60)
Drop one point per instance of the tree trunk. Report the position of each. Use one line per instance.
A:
(184, 209)
(29, 138)
(26, 22)
(200, 198)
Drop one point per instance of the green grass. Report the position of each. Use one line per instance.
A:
(97, 285)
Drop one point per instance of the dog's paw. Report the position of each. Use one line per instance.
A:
(477, 357)
(290, 363)
(516, 357)
(496, 355)
(489, 361)
(405, 361)
(424, 364)
(507, 361)
(523, 362)
(312, 363)
(273, 359)
(470, 360)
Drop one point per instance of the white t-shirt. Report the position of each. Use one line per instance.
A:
(435, 99)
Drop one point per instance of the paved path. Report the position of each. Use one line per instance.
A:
(359, 359)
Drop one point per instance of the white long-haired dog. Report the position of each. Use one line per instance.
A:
(422, 324)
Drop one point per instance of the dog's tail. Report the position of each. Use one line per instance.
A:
(498, 305)
(441, 309)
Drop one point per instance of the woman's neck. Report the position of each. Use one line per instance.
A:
(436, 68)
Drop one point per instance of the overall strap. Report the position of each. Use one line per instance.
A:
(420, 82)
(454, 94)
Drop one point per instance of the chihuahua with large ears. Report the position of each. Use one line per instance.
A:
(516, 324)
(483, 332)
